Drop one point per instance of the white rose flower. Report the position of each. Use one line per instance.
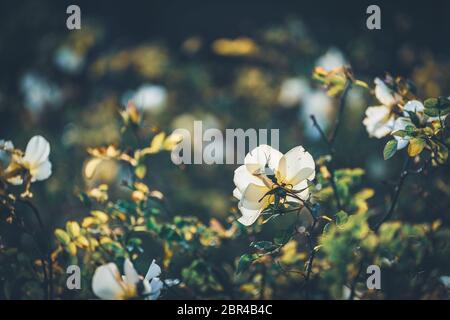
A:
(419, 109)
(266, 168)
(402, 122)
(379, 120)
(36, 158)
(35, 161)
(108, 284)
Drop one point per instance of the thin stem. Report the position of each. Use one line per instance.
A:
(312, 255)
(330, 166)
(48, 277)
(397, 190)
(322, 133)
(263, 282)
(335, 189)
(330, 141)
(340, 114)
(355, 280)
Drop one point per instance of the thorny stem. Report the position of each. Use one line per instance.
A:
(48, 277)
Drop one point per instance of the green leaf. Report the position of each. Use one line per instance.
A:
(414, 118)
(431, 103)
(444, 102)
(410, 130)
(244, 262)
(263, 245)
(400, 133)
(389, 149)
(341, 218)
(432, 112)
(415, 146)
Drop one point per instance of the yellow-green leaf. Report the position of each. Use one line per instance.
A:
(415, 146)
(62, 236)
(100, 215)
(73, 229)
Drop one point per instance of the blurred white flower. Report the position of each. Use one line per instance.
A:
(379, 120)
(6, 145)
(147, 97)
(68, 60)
(38, 93)
(108, 284)
(320, 105)
(384, 94)
(265, 168)
(292, 91)
(332, 59)
(445, 280)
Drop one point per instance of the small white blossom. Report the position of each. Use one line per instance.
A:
(264, 168)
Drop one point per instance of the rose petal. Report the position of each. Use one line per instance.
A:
(254, 197)
(37, 151)
(248, 216)
(153, 271)
(105, 283)
(42, 172)
(383, 93)
(296, 165)
(256, 160)
(131, 275)
(242, 178)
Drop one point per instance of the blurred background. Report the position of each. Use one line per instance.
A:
(231, 64)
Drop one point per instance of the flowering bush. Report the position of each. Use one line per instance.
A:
(101, 193)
